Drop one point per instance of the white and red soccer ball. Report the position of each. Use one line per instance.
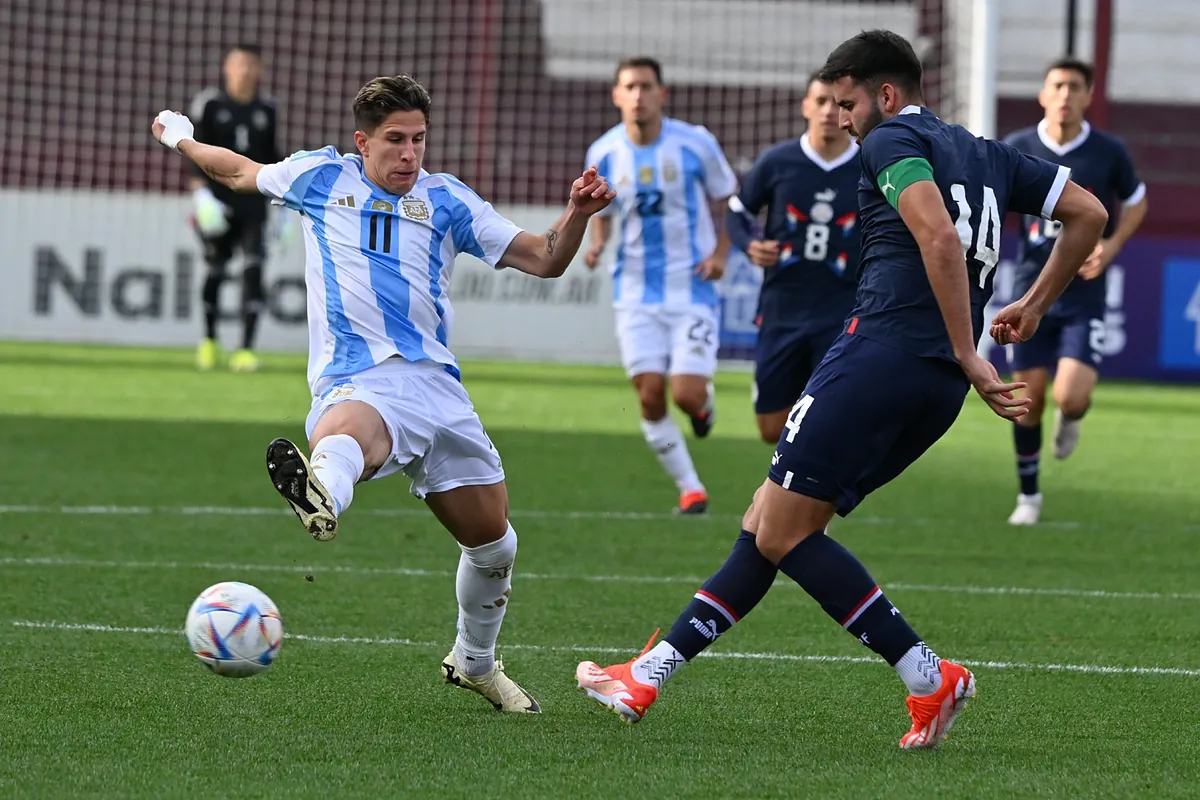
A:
(234, 629)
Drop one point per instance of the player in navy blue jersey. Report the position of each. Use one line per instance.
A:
(808, 250)
(1070, 338)
(931, 200)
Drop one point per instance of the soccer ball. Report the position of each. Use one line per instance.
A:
(235, 629)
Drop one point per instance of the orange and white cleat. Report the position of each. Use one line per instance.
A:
(692, 503)
(615, 687)
(934, 715)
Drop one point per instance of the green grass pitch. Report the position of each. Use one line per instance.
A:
(130, 482)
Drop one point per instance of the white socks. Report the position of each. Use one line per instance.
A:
(337, 461)
(920, 669)
(483, 583)
(666, 440)
(657, 665)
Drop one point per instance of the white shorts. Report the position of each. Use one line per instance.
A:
(437, 438)
(668, 341)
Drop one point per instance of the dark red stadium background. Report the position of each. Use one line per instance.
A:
(82, 79)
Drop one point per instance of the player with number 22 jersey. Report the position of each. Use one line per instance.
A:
(670, 251)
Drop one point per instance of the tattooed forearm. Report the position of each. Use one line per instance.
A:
(551, 237)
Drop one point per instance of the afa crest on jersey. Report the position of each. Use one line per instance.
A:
(415, 208)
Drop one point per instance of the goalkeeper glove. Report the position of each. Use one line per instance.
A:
(211, 214)
(176, 128)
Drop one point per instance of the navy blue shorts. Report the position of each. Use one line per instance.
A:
(1079, 338)
(869, 411)
(784, 360)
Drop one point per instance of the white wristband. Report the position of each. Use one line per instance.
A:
(176, 128)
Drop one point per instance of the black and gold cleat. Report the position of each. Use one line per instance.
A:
(496, 687)
(292, 476)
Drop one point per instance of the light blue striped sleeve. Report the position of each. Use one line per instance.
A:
(276, 180)
(719, 179)
(493, 232)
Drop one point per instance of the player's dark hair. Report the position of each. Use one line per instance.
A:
(1075, 65)
(649, 63)
(813, 77)
(874, 58)
(382, 96)
(243, 47)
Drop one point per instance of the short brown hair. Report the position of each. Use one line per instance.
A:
(639, 61)
(382, 96)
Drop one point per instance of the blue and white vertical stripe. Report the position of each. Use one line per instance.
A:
(664, 226)
(377, 265)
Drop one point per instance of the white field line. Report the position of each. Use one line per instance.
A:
(1087, 669)
(406, 572)
(516, 513)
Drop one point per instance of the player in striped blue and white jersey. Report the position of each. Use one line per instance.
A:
(671, 249)
(381, 235)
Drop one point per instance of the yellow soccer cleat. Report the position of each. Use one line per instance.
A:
(244, 361)
(496, 687)
(207, 353)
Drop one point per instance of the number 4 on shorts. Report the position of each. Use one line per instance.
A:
(797, 416)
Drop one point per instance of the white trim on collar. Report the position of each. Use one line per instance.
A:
(910, 110)
(1062, 149)
(828, 166)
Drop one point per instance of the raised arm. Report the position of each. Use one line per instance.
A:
(224, 166)
(548, 255)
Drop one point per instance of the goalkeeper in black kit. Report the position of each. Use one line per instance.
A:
(236, 117)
